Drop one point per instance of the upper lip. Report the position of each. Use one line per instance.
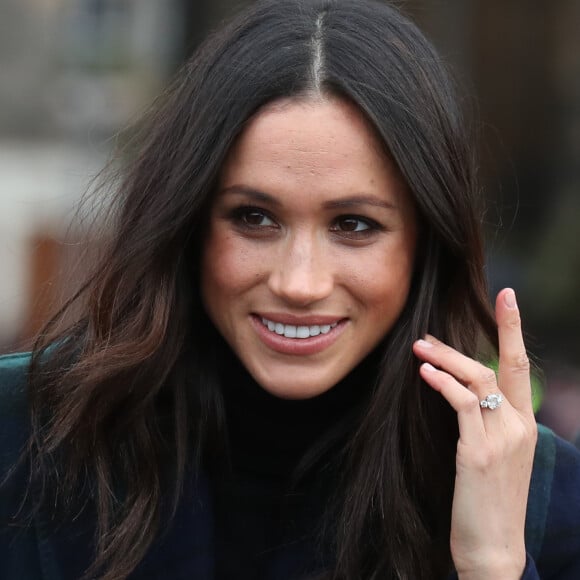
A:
(293, 319)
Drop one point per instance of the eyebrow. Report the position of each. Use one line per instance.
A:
(341, 203)
(354, 200)
(252, 193)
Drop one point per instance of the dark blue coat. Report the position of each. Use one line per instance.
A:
(38, 551)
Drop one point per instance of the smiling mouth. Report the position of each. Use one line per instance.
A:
(292, 331)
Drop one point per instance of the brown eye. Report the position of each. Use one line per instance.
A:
(351, 224)
(252, 218)
(255, 218)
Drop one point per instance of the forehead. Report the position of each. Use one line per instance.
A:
(297, 122)
(301, 139)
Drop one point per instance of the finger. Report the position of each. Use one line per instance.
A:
(474, 375)
(514, 365)
(465, 403)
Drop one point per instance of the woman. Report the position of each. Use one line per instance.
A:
(269, 376)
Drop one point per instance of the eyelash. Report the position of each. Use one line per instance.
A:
(371, 227)
(240, 214)
(239, 217)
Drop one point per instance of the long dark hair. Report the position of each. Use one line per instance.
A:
(131, 387)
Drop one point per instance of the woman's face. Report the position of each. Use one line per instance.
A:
(309, 255)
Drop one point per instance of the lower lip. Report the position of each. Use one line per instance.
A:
(297, 346)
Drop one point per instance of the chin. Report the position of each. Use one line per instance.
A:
(296, 389)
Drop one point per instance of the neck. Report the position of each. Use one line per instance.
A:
(274, 437)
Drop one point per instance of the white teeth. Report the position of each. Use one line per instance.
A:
(314, 330)
(291, 331)
(303, 332)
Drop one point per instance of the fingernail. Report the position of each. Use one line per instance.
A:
(424, 344)
(428, 367)
(510, 299)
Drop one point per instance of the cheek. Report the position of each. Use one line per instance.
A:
(228, 266)
(381, 281)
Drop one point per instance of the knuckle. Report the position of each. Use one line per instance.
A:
(471, 402)
(487, 377)
(518, 436)
(446, 379)
(519, 363)
(514, 322)
(484, 458)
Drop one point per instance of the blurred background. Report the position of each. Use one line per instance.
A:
(75, 72)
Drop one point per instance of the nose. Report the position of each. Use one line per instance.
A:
(302, 274)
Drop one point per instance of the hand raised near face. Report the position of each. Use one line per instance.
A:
(495, 449)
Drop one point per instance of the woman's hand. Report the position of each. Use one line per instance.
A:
(495, 449)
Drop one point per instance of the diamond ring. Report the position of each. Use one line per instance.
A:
(491, 402)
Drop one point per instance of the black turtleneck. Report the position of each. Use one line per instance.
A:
(266, 520)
